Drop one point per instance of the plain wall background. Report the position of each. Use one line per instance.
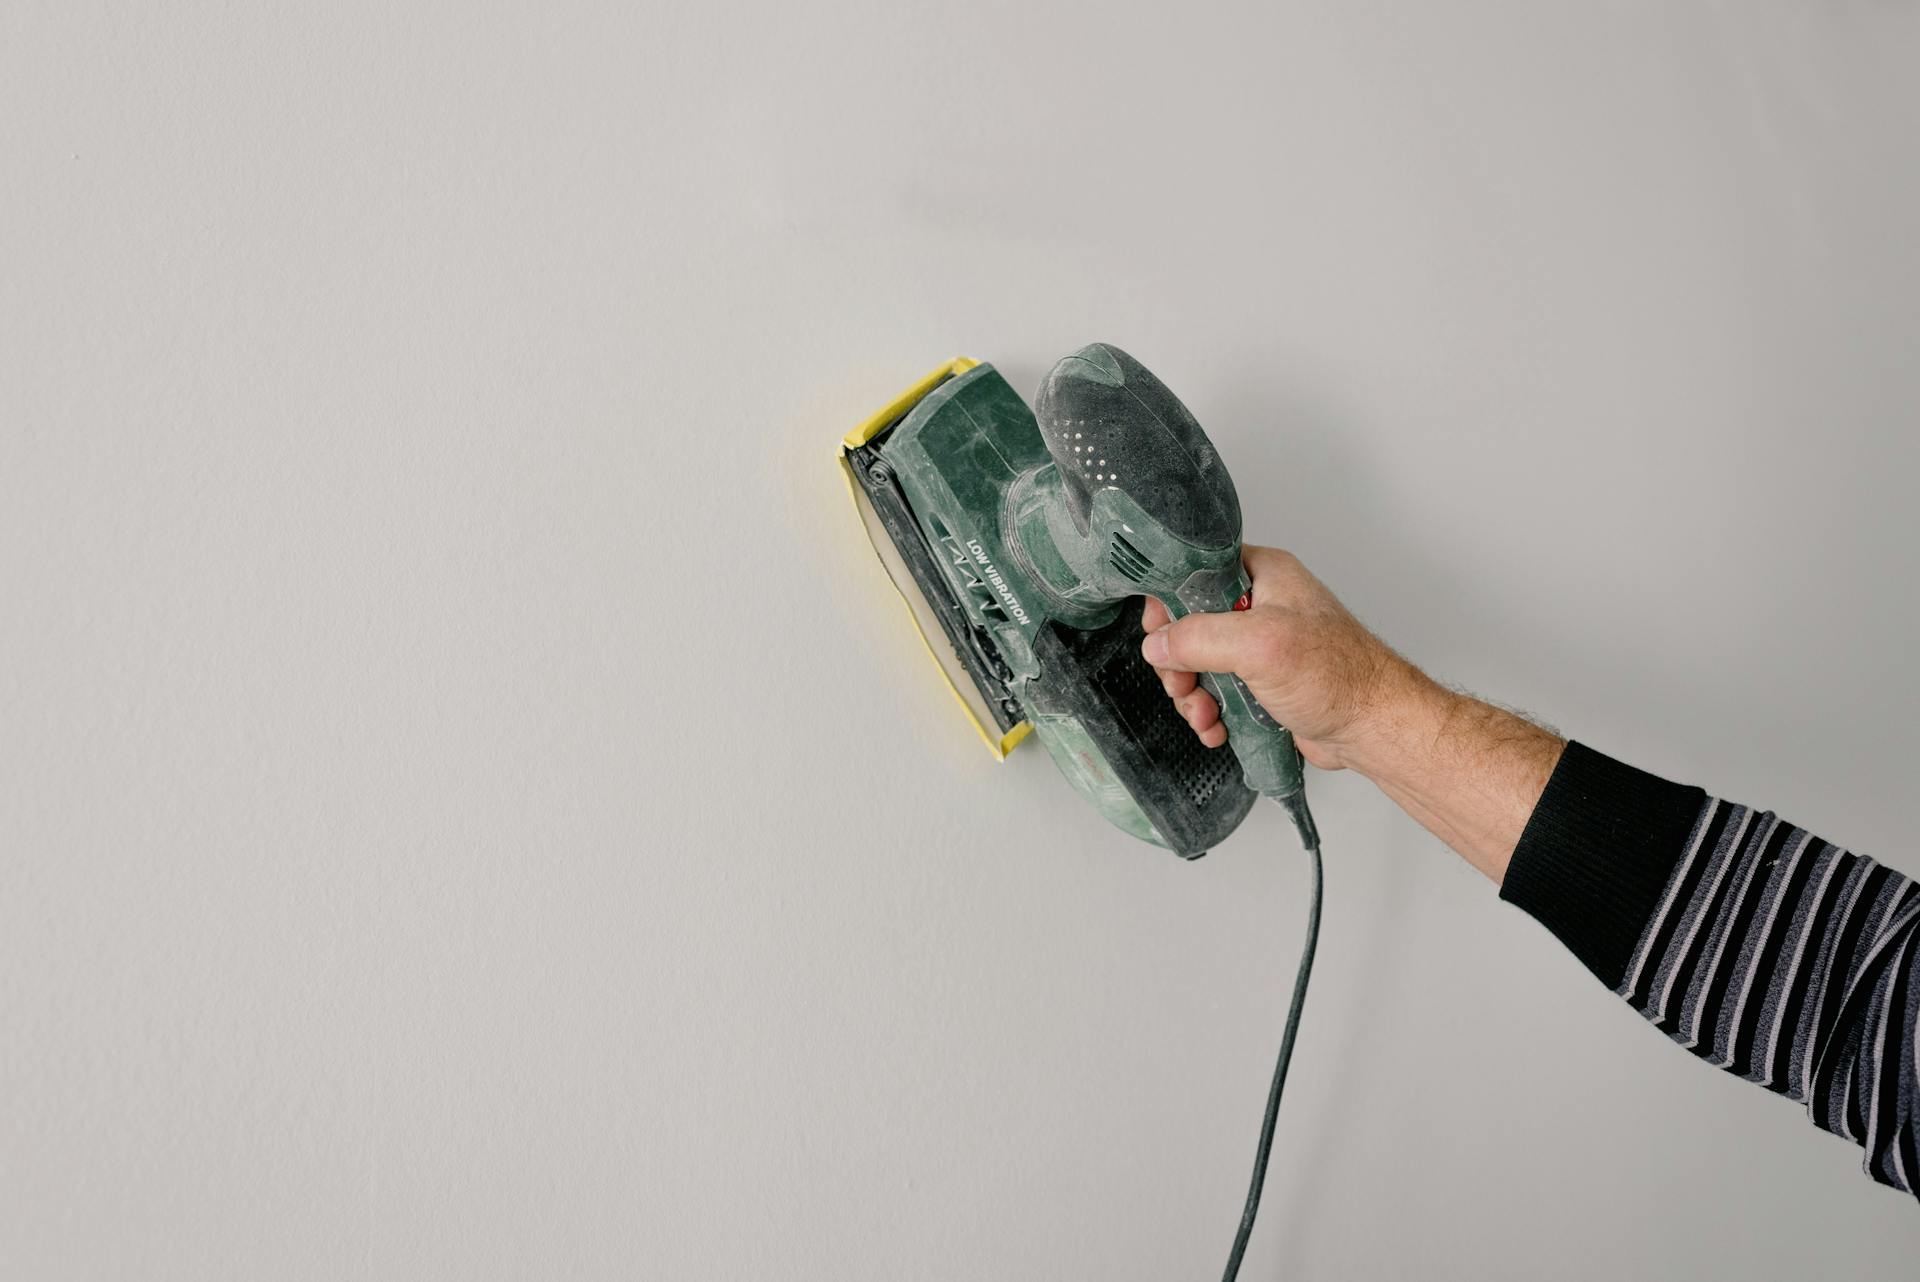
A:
(473, 809)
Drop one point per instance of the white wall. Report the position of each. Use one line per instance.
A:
(472, 810)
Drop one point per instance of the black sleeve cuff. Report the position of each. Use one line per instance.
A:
(1597, 853)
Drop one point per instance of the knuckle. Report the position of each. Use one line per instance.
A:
(1278, 559)
(1178, 637)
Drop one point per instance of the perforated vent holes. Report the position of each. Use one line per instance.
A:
(1198, 771)
(1080, 456)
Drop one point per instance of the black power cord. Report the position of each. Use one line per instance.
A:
(1296, 807)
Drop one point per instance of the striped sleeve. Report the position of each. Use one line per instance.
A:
(1762, 949)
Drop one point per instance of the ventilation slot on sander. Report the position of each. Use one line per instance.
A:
(1128, 559)
(1193, 794)
(1198, 771)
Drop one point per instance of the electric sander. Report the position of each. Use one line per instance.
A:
(1031, 534)
(1028, 538)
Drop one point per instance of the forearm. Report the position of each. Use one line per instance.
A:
(1468, 772)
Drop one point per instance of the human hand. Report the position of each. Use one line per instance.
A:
(1308, 661)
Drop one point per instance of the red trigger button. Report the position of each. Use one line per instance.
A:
(1245, 602)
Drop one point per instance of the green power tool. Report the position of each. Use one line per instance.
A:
(1031, 536)
(1028, 533)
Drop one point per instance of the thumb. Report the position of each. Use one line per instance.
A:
(1202, 643)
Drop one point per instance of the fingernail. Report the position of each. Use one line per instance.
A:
(1155, 647)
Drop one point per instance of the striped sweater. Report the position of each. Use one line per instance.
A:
(1756, 945)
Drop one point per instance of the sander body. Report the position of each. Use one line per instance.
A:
(1031, 534)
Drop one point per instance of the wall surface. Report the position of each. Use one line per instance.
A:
(471, 808)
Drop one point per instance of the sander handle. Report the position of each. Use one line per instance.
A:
(1269, 760)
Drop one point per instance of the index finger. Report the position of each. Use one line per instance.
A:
(1274, 571)
(1155, 616)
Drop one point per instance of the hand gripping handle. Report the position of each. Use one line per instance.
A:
(1269, 761)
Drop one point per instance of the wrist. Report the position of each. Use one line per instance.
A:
(1467, 771)
(1404, 721)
